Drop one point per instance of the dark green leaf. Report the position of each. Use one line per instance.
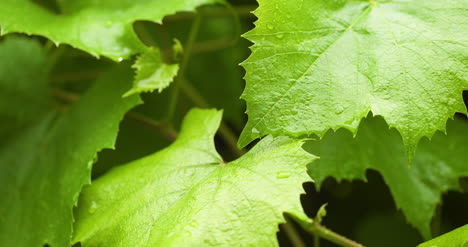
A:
(45, 164)
(437, 166)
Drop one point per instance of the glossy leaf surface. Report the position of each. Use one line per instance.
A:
(98, 27)
(185, 195)
(318, 65)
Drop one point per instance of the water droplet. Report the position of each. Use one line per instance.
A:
(255, 130)
(269, 26)
(279, 35)
(283, 174)
(339, 109)
(92, 209)
(120, 59)
(90, 164)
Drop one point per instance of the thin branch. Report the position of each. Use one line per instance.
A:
(183, 66)
(65, 96)
(224, 130)
(316, 241)
(317, 229)
(164, 130)
(292, 234)
(54, 55)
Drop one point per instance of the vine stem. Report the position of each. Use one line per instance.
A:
(164, 130)
(316, 241)
(167, 132)
(55, 53)
(224, 130)
(292, 234)
(180, 83)
(183, 66)
(318, 230)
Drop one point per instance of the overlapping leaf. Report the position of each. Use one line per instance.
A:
(152, 73)
(98, 27)
(455, 238)
(185, 195)
(437, 166)
(49, 150)
(321, 64)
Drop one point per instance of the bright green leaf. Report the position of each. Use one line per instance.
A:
(437, 166)
(152, 73)
(185, 195)
(44, 165)
(320, 64)
(98, 27)
(455, 238)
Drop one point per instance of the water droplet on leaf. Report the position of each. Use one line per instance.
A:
(283, 174)
(93, 207)
(339, 109)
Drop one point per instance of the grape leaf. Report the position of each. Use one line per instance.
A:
(185, 195)
(17, 87)
(417, 189)
(321, 64)
(455, 238)
(45, 163)
(98, 27)
(152, 73)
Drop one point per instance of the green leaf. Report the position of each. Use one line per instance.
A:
(185, 195)
(417, 189)
(98, 27)
(152, 73)
(455, 238)
(45, 163)
(23, 82)
(320, 64)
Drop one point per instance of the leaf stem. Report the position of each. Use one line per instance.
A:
(65, 96)
(316, 241)
(293, 235)
(166, 131)
(224, 130)
(55, 53)
(318, 230)
(183, 66)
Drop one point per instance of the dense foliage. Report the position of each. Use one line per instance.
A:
(121, 123)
